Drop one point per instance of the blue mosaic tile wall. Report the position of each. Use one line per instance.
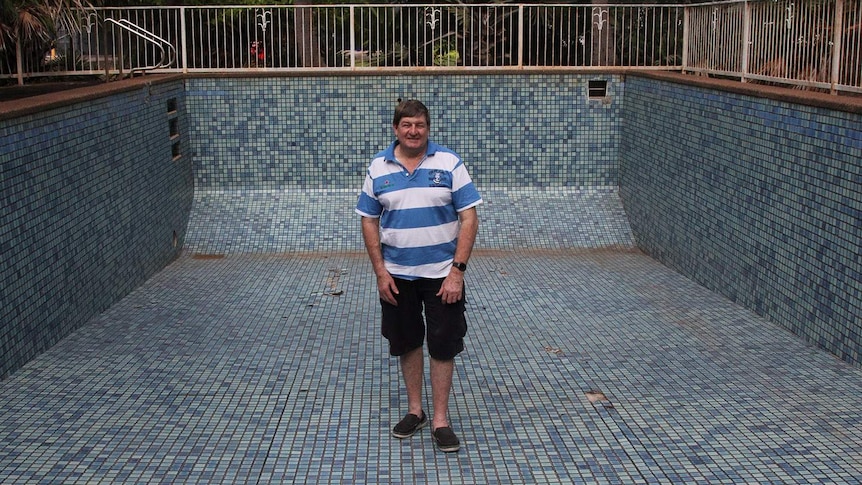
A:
(95, 199)
(512, 131)
(759, 200)
(292, 220)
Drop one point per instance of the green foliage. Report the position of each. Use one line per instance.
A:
(446, 54)
(34, 22)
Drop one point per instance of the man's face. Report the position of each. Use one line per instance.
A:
(412, 133)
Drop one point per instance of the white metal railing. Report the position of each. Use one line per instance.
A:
(808, 43)
(364, 37)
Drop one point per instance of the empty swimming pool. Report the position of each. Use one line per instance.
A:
(598, 351)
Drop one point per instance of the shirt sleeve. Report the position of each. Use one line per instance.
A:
(464, 193)
(368, 205)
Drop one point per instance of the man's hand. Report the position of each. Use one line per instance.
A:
(387, 289)
(452, 287)
(385, 283)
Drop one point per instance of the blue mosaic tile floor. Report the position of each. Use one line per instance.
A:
(591, 364)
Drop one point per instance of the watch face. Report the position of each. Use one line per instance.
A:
(461, 266)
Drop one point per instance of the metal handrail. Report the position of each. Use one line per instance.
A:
(149, 37)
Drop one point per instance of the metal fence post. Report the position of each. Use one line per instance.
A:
(521, 35)
(183, 44)
(104, 25)
(686, 16)
(746, 40)
(836, 46)
(352, 38)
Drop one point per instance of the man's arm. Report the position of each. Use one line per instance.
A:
(453, 285)
(385, 284)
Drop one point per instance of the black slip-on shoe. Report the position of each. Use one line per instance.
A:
(409, 425)
(445, 439)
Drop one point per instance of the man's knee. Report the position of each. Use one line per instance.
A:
(445, 350)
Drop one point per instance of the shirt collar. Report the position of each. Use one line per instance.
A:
(389, 153)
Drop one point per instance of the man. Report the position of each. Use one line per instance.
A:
(419, 223)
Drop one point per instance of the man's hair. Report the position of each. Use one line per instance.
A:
(410, 109)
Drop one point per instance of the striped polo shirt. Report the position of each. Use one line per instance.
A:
(418, 227)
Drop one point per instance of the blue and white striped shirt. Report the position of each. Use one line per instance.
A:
(418, 227)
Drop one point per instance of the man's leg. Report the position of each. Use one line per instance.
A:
(441, 385)
(404, 327)
(412, 369)
(446, 330)
(415, 419)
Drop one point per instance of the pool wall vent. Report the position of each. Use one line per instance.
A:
(597, 89)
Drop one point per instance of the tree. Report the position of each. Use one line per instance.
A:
(33, 24)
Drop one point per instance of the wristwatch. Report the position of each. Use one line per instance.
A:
(460, 266)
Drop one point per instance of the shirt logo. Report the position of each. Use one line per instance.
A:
(436, 177)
